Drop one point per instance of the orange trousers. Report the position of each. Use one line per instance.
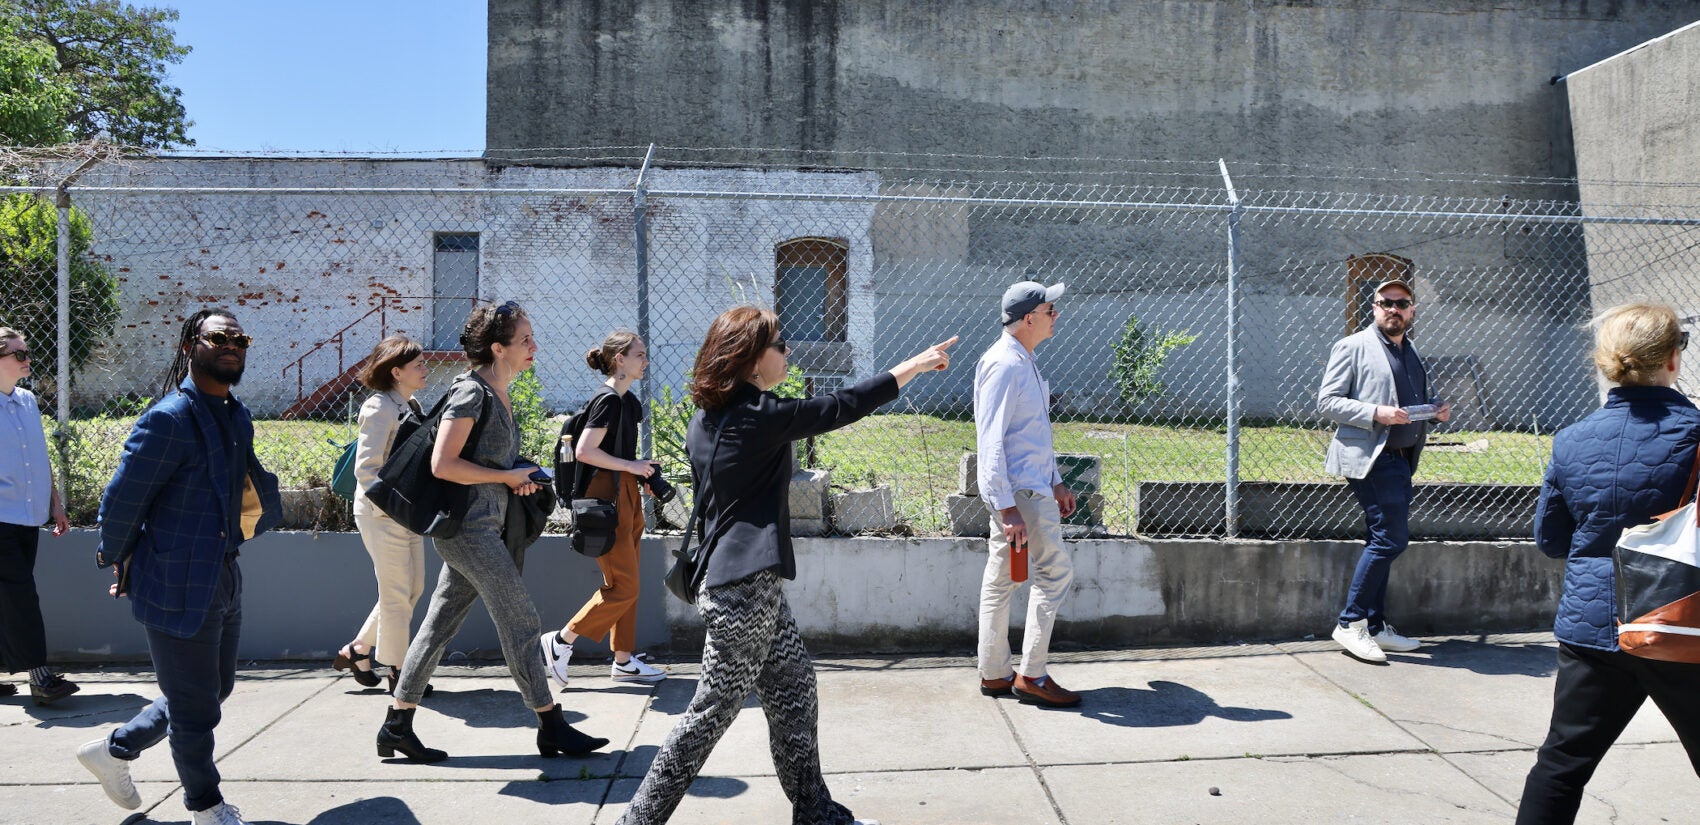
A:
(614, 607)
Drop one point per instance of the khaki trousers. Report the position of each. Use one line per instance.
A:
(398, 561)
(614, 606)
(1050, 569)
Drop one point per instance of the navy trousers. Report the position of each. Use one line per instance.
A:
(195, 676)
(1385, 495)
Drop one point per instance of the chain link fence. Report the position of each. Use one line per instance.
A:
(1201, 306)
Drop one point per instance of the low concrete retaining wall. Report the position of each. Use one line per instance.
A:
(306, 593)
(891, 594)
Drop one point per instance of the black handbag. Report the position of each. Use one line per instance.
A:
(595, 519)
(406, 489)
(685, 577)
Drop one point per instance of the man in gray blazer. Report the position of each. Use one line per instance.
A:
(1373, 380)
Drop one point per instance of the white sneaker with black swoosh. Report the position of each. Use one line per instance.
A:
(637, 670)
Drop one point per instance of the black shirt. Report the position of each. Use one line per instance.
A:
(236, 463)
(1410, 380)
(746, 511)
(619, 414)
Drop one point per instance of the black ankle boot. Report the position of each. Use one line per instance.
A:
(397, 735)
(555, 736)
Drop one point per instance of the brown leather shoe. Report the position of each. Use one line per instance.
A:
(997, 687)
(1046, 693)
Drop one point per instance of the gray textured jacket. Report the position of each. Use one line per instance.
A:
(1358, 380)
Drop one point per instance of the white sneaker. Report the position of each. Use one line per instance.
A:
(113, 773)
(555, 657)
(1392, 640)
(1356, 640)
(223, 813)
(637, 670)
(867, 822)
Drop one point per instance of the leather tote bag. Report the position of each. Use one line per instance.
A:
(1658, 584)
(407, 490)
(690, 564)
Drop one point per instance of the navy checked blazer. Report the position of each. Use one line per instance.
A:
(164, 517)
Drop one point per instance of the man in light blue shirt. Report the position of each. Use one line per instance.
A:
(1020, 483)
(28, 498)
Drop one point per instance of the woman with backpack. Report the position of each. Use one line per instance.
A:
(394, 371)
(607, 453)
(477, 561)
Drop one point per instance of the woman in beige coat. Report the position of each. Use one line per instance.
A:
(394, 371)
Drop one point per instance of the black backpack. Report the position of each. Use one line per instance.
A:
(408, 492)
(567, 484)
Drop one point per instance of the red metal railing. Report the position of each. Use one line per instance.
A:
(339, 338)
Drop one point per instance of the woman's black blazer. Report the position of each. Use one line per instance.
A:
(746, 517)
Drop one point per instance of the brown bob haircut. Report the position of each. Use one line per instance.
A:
(394, 351)
(735, 341)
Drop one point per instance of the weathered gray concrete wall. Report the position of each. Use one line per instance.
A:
(1409, 84)
(889, 594)
(306, 593)
(1636, 120)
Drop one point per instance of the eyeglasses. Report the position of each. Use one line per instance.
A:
(1395, 303)
(24, 355)
(1681, 343)
(219, 338)
(507, 309)
(779, 344)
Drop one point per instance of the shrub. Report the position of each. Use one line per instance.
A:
(1139, 357)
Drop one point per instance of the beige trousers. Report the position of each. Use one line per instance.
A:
(398, 560)
(1050, 570)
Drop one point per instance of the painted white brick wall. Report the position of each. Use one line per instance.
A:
(299, 266)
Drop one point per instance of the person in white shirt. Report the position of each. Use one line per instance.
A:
(1020, 483)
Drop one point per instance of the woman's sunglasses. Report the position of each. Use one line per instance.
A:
(218, 338)
(779, 344)
(24, 355)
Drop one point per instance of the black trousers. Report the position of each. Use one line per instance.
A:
(1597, 694)
(23, 638)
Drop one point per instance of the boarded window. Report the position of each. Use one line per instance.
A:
(811, 290)
(454, 286)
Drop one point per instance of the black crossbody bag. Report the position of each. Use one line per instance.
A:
(685, 577)
(595, 519)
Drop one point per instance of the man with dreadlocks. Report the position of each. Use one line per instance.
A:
(188, 491)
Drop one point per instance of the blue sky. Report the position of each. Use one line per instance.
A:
(316, 76)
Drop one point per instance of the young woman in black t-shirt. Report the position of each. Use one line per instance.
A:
(609, 445)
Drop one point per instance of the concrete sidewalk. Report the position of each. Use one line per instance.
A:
(1269, 733)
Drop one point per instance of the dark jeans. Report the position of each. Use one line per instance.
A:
(195, 675)
(23, 639)
(1597, 693)
(1385, 495)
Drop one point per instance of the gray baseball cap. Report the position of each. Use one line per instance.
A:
(1025, 297)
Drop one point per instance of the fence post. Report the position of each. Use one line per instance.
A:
(62, 364)
(640, 229)
(1231, 486)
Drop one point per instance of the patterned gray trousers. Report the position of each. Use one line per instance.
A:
(752, 643)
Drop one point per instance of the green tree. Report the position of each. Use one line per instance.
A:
(35, 102)
(29, 240)
(113, 58)
(1139, 356)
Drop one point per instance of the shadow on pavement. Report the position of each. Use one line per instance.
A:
(1165, 704)
(382, 810)
(85, 711)
(488, 708)
(1535, 660)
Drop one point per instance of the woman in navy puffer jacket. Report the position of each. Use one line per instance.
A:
(1619, 467)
